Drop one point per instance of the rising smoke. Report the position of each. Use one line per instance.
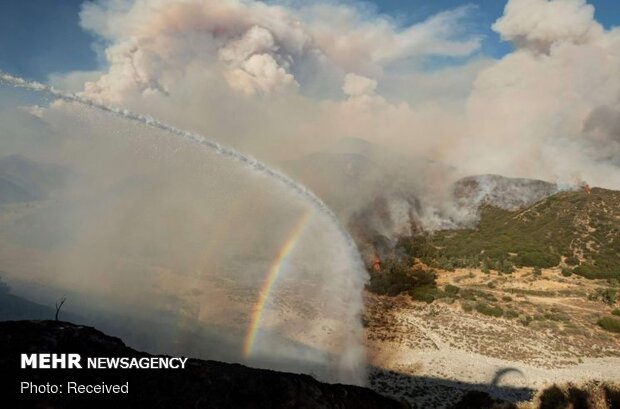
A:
(303, 76)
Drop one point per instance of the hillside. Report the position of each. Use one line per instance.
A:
(502, 192)
(575, 230)
(202, 384)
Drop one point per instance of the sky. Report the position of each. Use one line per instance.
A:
(525, 88)
(40, 37)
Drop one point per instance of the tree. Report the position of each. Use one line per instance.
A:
(59, 306)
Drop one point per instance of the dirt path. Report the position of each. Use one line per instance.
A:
(562, 301)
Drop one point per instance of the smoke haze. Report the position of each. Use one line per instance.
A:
(337, 95)
(301, 77)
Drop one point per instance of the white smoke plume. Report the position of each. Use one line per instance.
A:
(538, 111)
(303, 75)
(538, 25)
(255, 47)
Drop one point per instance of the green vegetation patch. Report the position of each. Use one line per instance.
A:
(490, 310)
(396, 278)
(610, 324)
(511, 314)
(557, 316)
(556, 228)
(606, 295)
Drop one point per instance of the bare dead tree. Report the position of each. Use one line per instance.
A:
(59, 306)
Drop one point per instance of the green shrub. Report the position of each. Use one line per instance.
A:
(396, 278)
(451, 290)
(511, 314)
(597, 272)
(443, 263)
(572, 261)
(467, 306)
(610, 324)
(507, 298)
(606, 295)
(567, 272)
(616, 312)
(525, 319)
(417, 246)
(490, 310)
(535, 258)
(426, 293)
(609, 296)
(506, 267)
(467, 294)
(537, 271)
(557, 316)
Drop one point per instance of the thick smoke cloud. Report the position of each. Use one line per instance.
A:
(303, 75)
(282, 69)
(539, 24)
(544, 110)
(255, 47)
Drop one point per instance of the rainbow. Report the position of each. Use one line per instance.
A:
(270, 279)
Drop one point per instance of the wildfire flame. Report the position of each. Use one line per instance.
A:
(376, 264)
(587, 189)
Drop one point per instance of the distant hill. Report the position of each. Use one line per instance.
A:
(11, 192)
(14, 307)
(572, 229)
(24, 180)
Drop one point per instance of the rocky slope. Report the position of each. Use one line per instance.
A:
(203, 384)
(502, 192)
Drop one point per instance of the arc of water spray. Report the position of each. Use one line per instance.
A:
(270, 280)
(250, 162)
(212, 145)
